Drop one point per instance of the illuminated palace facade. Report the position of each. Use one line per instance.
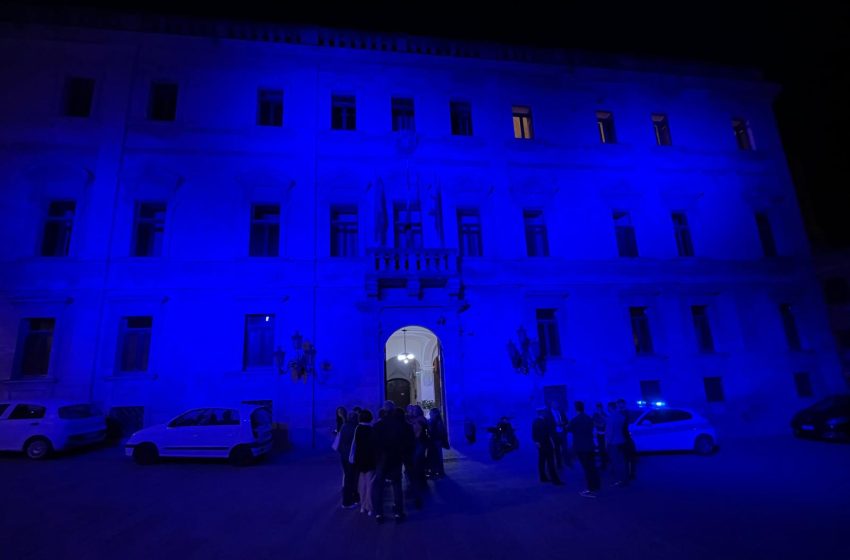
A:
(196, 212)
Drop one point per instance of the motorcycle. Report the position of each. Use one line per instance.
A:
(502, 438)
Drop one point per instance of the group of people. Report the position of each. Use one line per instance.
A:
(400, 444)
(598, 441)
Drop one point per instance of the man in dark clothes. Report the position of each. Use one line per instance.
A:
(581, 427)
(541, 434)
(393, 441)
(350, 498)
(629, 450)
(557, 420)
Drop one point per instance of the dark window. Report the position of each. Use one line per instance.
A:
(743, 134)
(713, 389)
(27, 412)
(408, 225)
(650, 391)
(343, 112)
(842, 337)
(768, 245)
(536, 238)
(682, 231)
(702, 328)
(57, 229)
(605, 124)
(78, 411)
(641, 336)
(134, 344)
(343, 231)
(522, 123)
(258, 348)
(78, 96)
(469, 233)
(35, 342)
(402, 114)
(661, 127)
(270, 107)
(163, 101)
(625, 232)
(149, 230)
(547, 333)
(789, 324)
(665, 415)
(835, 291)
(3, 408)
(461, 114)
(191, 418)
(803, 382)
(265, 230)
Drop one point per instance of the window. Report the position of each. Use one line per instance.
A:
(343, 231)
(713, 389)
(259, 341)
(56, 241)
(3, 408)
(650, 391)
(27, 412)
(547, 333)
(836, 291)
(661, 127)
(134, 344)
(343, 112)
(842, 337)
(461, 114)
(789, 324)
(78, 96)
(803, 382)
(768, 245)
(265, 230)
(605, 124)
(35, 342)
(625, 232)
(522, 123)
(536, 240)
(743, 134)
(682, 231)
(402, 114)
(149, 230)
(641, 337)
(702, 328)
(162, 105)
(270, 107)
(469, 233)
(408, 225)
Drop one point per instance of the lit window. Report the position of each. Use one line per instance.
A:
(402, 114)
(702, 328)
(605, 124)
(536, 238)
(625, 233)
(56, 241)
(78, 96)
(343, 112)
(265, 230)
(641, 336)
(134, 344)
(661, 127)
(270, 107)
(149, 229)
(768, 245)
(547, 333)
(682, 231)
(522, 123)
(469, 232)
(743, 134)
(162, 105)
(461, 114)
(35, 342)
(344, 231)
(258, 345)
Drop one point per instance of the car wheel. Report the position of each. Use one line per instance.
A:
(145, 454)
(240, 456)
(38, 448)
(704, 445)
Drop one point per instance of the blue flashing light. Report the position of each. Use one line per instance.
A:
(267, 318)
(641, 404)
(660, 403)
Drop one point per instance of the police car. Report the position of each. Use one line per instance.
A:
(658, 427)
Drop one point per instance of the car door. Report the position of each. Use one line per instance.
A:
(21, 423)
(181, 436)
(674, 430)
(217, 432)
(5, 430)
(644, 431)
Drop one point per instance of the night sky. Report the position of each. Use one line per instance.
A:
(803, 46)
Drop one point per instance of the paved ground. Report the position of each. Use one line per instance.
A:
(771, 499)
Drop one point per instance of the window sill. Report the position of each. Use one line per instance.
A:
(131, 376)
(29, 380)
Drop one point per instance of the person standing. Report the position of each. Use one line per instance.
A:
(364, 461)
(439, 440)
(541, 434)
(349, 474)
(557, 420)
(629, 449)
(582, 427)
(341, 419)
(615, 441)
(600, 420)
(393, 441)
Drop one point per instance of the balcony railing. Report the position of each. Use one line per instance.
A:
(413, 262)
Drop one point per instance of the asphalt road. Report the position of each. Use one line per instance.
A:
(774, 498)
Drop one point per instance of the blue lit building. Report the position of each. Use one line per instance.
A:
(197, 212)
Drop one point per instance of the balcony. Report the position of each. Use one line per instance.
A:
(412, 269)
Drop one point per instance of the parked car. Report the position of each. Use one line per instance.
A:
(662, 428)
(827, 419)
(239, 434)
(41, 427)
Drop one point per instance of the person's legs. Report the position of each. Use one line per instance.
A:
(378, 492)
(591, 475)
(541, 465)
(559, 449)
(550, 463)
(349, 484)
(398, 493)
(365, 481)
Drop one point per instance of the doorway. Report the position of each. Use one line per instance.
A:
(413, 369)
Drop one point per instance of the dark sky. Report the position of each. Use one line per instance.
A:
(804, 45)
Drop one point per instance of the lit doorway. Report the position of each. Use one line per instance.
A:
(413, 369)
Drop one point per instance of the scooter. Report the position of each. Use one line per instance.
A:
(502, 438)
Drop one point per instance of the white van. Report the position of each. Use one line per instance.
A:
(40, 427)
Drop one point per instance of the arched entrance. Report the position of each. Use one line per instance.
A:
(413, 369)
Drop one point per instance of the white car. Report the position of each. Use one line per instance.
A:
(673, 429)
(239, 434)
(40, 427)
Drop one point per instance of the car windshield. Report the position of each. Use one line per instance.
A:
(831, 402)
(78, 411)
